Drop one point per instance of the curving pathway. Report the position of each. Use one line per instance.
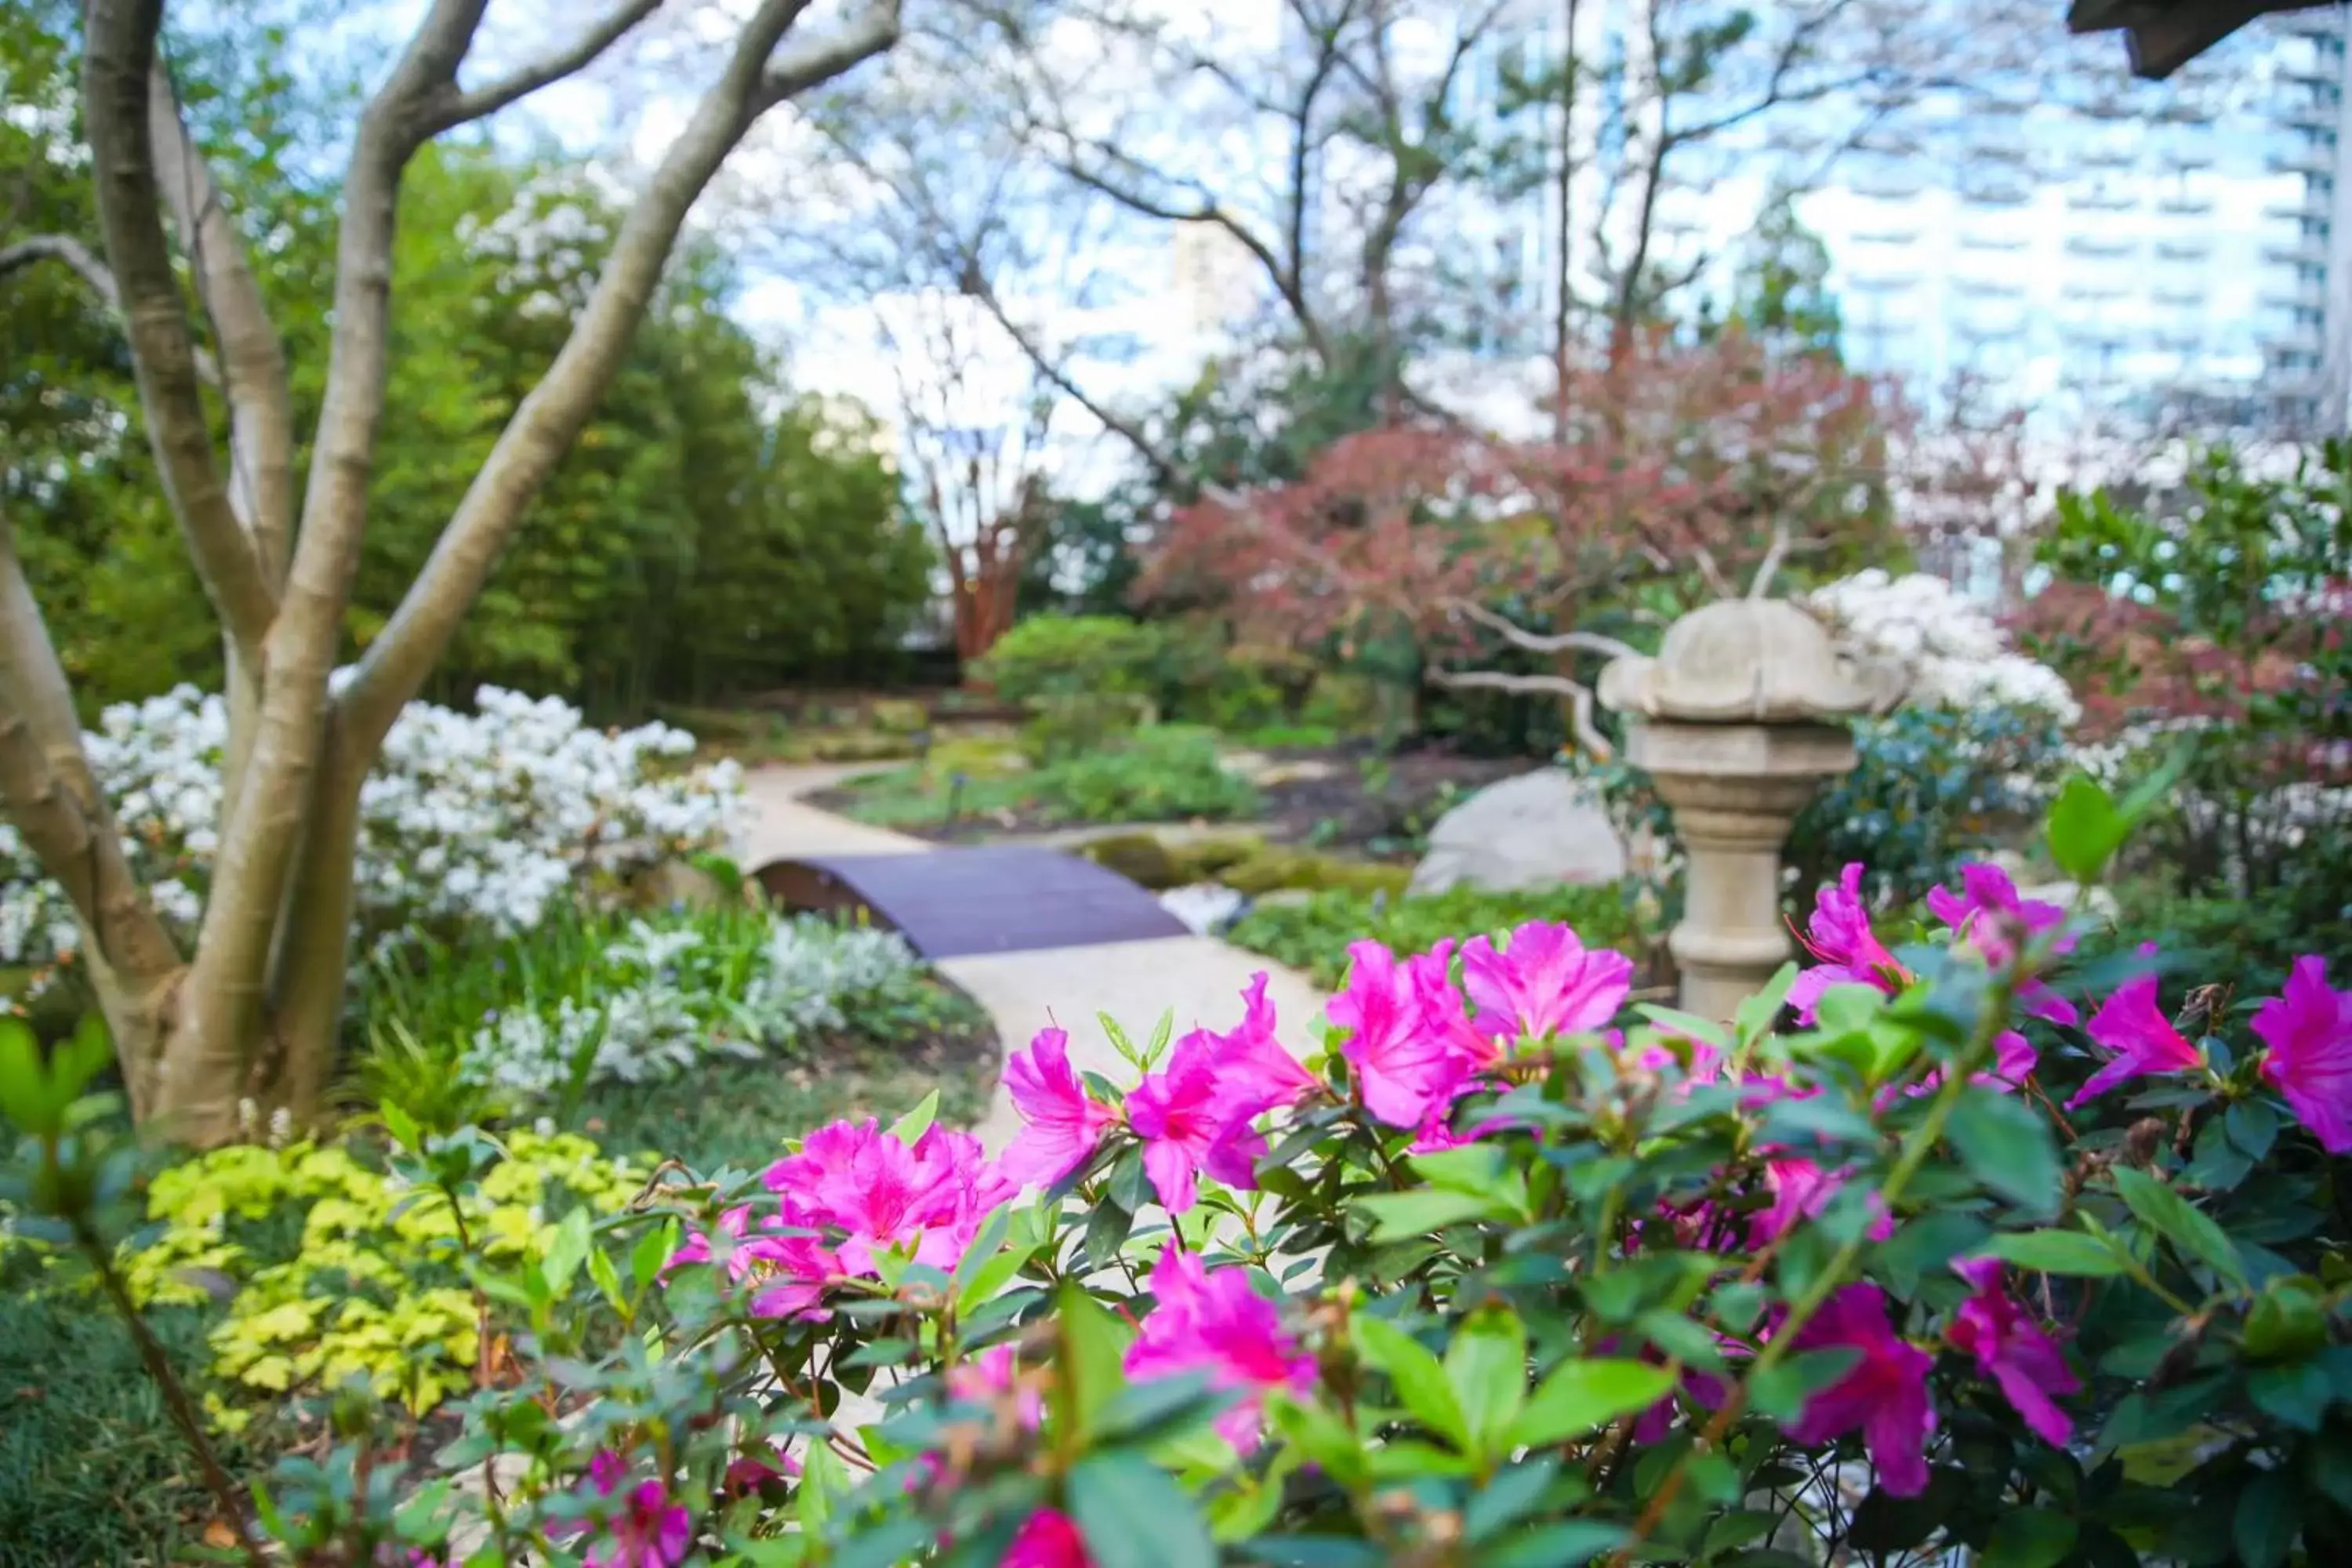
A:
(1197, 977)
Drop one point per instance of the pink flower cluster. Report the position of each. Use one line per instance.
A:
(1416, 1044)
(2308, 1028)
(850, 1190)
(1884, 1395)
(640, 1527)
(1218, 1323)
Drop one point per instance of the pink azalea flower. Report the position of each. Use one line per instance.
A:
(1048, 1540)
(2309, 1031)
(993, 1372)
(1185, 1115)
(1706, 1061)
(1260, 1073)
(790, 1270)
(1838, 933)
(2143, 1039)
(750, 1472)
(1060, 1127)
(1801, 1190)
(2022, 1360)
(1884, 1396)
(647, 1530)
(859, 1178)
(1988, 914)
(1405, 1044)
(1545, 983)
(1217, 1322)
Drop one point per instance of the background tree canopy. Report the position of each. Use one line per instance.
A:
(712, 531)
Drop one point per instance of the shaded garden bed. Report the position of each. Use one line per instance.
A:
(1348, 798)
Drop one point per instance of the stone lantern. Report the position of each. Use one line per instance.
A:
(1737, 719)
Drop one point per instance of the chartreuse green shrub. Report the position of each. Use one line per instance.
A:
(339, 1270)
(1955, 1252)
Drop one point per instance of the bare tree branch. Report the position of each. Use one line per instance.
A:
(1580, 698)
(1769, 568)
(252, 360)
(457, 107)
(814, 63)
(67, 249)
(544, 426)
(77, 257)
(118, 57)
(1539, 642)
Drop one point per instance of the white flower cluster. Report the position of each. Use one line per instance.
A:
(649, 1013)
(1956, 654)
(482, 817)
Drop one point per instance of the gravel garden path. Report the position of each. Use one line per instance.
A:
(1199, 977)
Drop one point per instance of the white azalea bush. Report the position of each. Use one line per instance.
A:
(1956, 652)
(484, 819)
(1973, 755)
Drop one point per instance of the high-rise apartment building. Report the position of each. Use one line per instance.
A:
(2115, 252)
(2094, 249)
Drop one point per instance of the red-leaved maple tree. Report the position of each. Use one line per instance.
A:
(1689, 472)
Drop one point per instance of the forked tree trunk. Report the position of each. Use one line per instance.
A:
(249, 1018)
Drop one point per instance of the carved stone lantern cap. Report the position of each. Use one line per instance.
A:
(1749, 661)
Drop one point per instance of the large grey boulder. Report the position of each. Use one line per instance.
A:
(1532, 831)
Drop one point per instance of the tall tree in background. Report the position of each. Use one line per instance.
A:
(252, 1011)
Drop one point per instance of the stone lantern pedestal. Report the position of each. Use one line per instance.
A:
(1733, 721)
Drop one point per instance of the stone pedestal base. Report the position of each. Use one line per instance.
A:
(1735, 790)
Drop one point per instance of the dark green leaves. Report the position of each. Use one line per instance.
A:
(1134, 1515)
(2058, 1252)
(2006, 1145)
(1582, 1394)
(2172, 1217)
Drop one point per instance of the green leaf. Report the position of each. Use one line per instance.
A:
(2007, 1147)
(1690, 1025)
(1509, 1497)
(1488, 1365)
(2085, 828)
(1318, 1436)
(26, 1096)
(1582, 1394)
(2296, 1394)
(2252, 1127)
(1134, 1515)
(1120, 1041)
(567, 1250)
(2189, 1228)
(2058, 1252)
(1421, 1382)
(1129, 1185)
(823, 1481)
(1106, 1232)
(607, 1279)
(2268, 1519)
(1754, 1015)
(982, 1251)
(1397, 1216)
(917, 1121)
(987, 1282)
(2029, 1537)
(653, 1249)
(1560, 1545)
(1093, 1347)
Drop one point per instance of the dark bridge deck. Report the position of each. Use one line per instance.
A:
(957, 902)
